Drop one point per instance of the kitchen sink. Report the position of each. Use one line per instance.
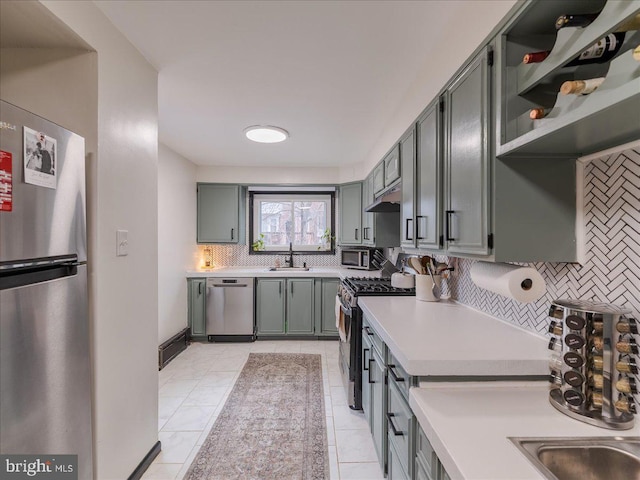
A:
(288, 269)
(586, 458)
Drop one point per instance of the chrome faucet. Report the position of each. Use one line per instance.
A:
(289, 260)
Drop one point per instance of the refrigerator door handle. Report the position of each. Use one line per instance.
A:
(21, 277)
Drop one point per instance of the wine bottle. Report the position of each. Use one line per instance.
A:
(600, 52)
(581, 20)
(538, 113)
(535, 57)
(632, 24)
(581, 87)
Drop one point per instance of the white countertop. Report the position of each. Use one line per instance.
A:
(257, 271)
(447, 339)
(468, 425)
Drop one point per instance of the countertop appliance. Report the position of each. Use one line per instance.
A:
(350, 357)
(45, 368)
(230, 310)
(359, 258)
(594, 365)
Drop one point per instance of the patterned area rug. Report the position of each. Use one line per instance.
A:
(272, 426)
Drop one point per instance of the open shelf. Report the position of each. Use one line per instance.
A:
(577, 124)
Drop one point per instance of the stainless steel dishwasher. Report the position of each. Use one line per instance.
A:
(230, 313)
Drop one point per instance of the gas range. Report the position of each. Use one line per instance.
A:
(353, 287)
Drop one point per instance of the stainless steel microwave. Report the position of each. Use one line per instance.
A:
(360, 258)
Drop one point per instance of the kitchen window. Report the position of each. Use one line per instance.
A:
(304, 219)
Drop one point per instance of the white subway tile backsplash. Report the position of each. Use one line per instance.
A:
(611, 271)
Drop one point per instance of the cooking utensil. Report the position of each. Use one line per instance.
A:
(434, 288)
(416, 264)
(425, 261)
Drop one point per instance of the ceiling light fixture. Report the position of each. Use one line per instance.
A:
(266, 134)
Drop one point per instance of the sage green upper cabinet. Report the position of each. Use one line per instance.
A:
(351, 214)
(467, 115)
(221, 210)
(300, 306)
(428, 208)
(407, 207)
(392, 166)
(378, 178)
(368, 218)
(270, 306)
(197, 289)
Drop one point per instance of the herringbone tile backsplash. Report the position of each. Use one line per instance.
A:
(611, 272)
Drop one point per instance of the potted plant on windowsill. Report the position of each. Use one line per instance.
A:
(258, 245)
(326, 240)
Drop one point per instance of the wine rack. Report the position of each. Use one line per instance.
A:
(594, 363)
(573, 125)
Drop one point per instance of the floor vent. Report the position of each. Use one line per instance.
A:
(172, 347)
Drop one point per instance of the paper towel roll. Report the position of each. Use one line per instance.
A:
(523, 284)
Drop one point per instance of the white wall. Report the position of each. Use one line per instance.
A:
(125, 289)
(441, 62)
(177, 249)
(258, 175)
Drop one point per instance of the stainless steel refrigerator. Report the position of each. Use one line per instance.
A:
(45, 369)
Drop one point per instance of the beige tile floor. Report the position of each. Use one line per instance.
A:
(194, 387)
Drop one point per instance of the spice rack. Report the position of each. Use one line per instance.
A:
(594, 364)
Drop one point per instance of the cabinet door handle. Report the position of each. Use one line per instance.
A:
(396, 432)
(199, 288)
(370, 360)
(449, 221)
(394, 374)
(418, 217)
(291, 288)
(365, 364)
(406, 229)
(367, 331)
(280, 288)
(232, 234)
(356, 234)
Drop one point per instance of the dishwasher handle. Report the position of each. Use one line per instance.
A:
(228, 285)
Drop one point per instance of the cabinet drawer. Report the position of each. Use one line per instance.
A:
(374, 338)
(425, 453)
(398, 376)
(396, 471)
(400, 420)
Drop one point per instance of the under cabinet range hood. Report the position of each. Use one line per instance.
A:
(389, 202)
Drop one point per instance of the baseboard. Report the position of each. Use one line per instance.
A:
(146, 461)
(172, 347)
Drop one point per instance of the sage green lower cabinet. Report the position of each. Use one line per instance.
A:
(427, 464)
(326, 290)
(395, 470)
(196, 290)
(374, 389)
(299, 306)
(296, 307)
(270, 306)
(377, 377)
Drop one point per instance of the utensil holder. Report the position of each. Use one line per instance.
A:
(424, 284)
(594, 363)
